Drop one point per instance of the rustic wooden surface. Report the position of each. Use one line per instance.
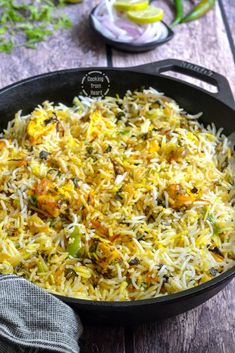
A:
(227, 7)
(210, 328)
(209, 42)
(103, 340)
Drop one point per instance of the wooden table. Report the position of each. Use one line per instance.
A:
(209, 42)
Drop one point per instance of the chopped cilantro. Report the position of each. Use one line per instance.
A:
(210, 218)
(35, 20)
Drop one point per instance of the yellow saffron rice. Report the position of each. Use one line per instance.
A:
(115, 199)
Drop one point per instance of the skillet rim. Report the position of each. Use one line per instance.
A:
(132, 69)
(225, 276)
(184, 294)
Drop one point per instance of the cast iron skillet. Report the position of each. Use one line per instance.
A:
(62, 86)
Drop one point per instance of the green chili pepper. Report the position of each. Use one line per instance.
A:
(42, 266)
(74, 245)
(179, 12)
(199, 10)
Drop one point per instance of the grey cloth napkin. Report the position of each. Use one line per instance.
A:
(33, 321)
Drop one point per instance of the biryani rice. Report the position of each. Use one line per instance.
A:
(115, 199)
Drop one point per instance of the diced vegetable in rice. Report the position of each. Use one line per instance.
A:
(115, 199)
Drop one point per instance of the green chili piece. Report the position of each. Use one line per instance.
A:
(42, 266)
(199, 10)
(124, 132)
(212, 220)
(179, 12)
(75, 245)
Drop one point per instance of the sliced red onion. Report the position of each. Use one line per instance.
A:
(116, 26)
(154, 31)
(117, 31)
(134, 30)
(102, 29)
(109, 6)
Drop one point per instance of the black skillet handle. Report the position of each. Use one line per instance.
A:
(224, 93)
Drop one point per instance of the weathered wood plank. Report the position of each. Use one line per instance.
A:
(102, 340)
(66, 49)
(209, 328)
(202, 42)
(229, 6)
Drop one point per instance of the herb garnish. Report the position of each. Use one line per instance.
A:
(26, 23)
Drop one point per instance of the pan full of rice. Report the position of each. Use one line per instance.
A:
(116, 199)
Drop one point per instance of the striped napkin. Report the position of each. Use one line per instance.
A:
(34, 321)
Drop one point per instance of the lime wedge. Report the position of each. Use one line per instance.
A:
(149, 15)
(131, 5)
